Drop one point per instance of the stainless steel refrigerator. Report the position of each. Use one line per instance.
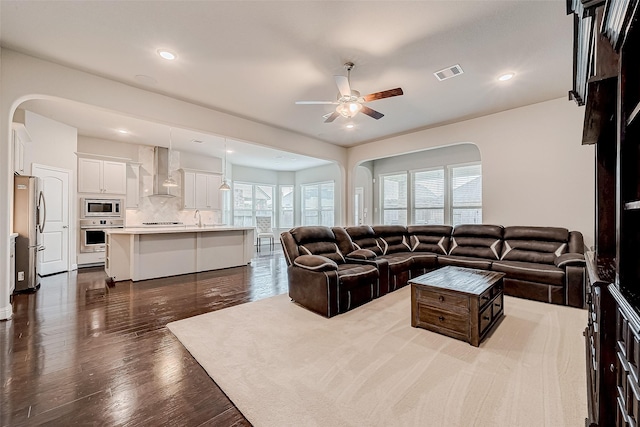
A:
(29, 218)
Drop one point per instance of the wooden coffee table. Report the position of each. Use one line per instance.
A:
(462, 303)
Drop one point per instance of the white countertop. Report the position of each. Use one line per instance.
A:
(176, 229)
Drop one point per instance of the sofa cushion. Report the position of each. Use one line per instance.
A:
(532, 272)
(424, 259)
(354, 275)
(325, 249)
(392, 238)
(430, 238)
(363, 237)
(399, 261)
(461, 261)
(477, 241)
(534, 244)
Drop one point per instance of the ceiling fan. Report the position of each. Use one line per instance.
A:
(349, 102)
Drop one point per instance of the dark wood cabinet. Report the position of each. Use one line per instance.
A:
(607, 82)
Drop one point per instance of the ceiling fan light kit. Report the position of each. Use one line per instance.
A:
(350, 102)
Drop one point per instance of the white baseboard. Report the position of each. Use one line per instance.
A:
(6, 312)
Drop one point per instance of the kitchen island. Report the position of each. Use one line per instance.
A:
(148, 253)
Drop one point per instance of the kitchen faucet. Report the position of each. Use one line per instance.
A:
(197, 213)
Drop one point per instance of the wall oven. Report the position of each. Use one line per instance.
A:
(101, 208)
(92, 233)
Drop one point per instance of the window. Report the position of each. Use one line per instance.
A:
(394, 199)
(446, 195)
(466, 194)
(251, 200)
(428, 197)
(286, 207)
(318, 204)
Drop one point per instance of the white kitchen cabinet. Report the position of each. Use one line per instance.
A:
(101, 176)
(200, 190)
(188, 190)
(132, 200)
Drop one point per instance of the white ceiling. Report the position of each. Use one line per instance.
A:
(254, 59)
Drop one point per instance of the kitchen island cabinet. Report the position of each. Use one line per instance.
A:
(147, 253)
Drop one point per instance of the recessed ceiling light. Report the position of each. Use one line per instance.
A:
(167, 54)
(123, 131)
(229, 151)
(349, 126)
(506, 76)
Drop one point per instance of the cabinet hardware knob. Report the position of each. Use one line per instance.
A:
(440, 298)
(441, 318)
(612, 368)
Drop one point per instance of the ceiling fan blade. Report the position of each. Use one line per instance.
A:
(371, 112)
(332, 117)
(384, 94)
(343, 85)
(316, 102)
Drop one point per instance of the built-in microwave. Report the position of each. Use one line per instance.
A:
(94, 207)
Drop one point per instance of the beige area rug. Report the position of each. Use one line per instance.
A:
(282, 365)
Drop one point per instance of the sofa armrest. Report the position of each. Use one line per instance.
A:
(361, 254)
(315, 263)
(570, 259)
(315, 290)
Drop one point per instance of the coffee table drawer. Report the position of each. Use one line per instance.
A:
(485, 318)
(441, 299)
(430, 315)
(497, 305)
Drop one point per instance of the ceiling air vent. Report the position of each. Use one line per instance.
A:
(447, 73)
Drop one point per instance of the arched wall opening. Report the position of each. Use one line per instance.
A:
(366, 193)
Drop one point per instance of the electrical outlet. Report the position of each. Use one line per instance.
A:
(20, 276)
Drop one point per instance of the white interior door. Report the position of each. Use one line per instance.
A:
(55, 237)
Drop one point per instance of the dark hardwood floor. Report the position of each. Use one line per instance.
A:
(77, 352)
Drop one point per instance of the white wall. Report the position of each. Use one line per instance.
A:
(107, 147)
(534, 169)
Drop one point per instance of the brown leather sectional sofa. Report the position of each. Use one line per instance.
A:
(332, 270)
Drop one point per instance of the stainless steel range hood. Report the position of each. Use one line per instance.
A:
(161, 172)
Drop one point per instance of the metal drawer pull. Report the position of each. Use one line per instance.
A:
(484, 297)
(486, 317)
(497, 305)
(441, 318)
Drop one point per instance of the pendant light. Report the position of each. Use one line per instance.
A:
(169, 182)
(224, 186)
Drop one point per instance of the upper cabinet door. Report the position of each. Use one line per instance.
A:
(89, 175)
(101, 176)
(114, 177)
(188, 190)
(133, 186)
